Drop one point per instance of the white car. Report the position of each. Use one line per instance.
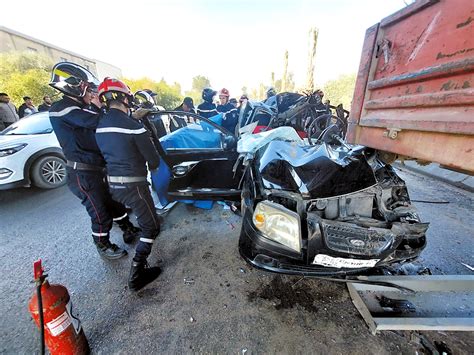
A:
(30, 154)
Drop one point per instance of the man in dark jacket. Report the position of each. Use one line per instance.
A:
(27, 108)
(74, 119)
(127, 149)
(179, 121)
(207, 109)
(46, 105)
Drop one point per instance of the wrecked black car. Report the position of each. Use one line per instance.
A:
(311, 204)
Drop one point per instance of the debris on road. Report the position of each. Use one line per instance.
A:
(188, 281)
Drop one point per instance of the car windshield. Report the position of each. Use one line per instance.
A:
(35, 124)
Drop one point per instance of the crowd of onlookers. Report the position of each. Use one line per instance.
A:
(10, 114)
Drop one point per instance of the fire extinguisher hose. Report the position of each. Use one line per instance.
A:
(40, 311)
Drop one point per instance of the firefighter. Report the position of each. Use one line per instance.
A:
(207, 109)
(230, 113)
(153, 122)
(74, 119)
(127, 148)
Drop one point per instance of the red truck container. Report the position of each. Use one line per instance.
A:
(414, 94)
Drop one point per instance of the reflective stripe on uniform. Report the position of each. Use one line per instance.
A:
(213, 110)
(226, 113)
(146, 240)
(64, 112)
(120, 218)
(120, 130)
(100, 234)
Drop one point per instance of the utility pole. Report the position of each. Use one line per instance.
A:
(313, 41)
(284, 80)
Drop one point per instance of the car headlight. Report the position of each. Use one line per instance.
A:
(278, 224)
(6, 151)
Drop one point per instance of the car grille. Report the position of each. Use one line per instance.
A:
(345, 238)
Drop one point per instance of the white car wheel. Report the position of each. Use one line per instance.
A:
(49, 172)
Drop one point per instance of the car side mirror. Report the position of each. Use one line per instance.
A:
(230, 142)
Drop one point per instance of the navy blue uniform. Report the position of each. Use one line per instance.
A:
(127, 147)
(230, 116)
(74, 126)
(207, 109)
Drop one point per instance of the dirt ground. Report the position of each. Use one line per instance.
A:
(207, 300)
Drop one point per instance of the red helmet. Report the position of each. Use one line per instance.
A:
(224, 92)
(113, 89)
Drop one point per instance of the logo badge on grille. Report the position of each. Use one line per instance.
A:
(357, 243)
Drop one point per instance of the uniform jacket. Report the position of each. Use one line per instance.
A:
(230, 116)
(74, 126)
(126, 145)
(207, 109)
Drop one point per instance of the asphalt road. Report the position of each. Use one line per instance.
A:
(229, 308)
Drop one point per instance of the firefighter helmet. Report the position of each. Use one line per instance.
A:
(224, 92)
(208, 94)
(113, 89)
(143, 99)
(72, 79)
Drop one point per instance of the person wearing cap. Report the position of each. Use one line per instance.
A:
(27, 108)
(127, 150)
(74, 119)
(230, 114)
(179, 121)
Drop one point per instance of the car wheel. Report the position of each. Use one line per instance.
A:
(49, 172)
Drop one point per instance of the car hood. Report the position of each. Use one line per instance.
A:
(317, 171)
(8, 140)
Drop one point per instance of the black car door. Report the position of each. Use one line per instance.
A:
(201, 156)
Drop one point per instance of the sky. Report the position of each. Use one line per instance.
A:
(233, 43)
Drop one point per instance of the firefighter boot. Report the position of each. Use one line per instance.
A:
(130, 232)
(141, 274)
(109, 251)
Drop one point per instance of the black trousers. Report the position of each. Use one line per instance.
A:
(93, 191)
(138, 198)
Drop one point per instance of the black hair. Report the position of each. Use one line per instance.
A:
(26, 98)
(3, 94)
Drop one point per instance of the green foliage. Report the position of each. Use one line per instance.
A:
(168, 96)
(199, 83)
(340, 90)
(25, 74)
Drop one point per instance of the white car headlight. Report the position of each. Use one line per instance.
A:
(278, 224)
(6, 151)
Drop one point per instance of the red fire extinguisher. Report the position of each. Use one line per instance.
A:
(51, 309)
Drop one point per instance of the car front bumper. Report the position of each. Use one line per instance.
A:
(266, 254)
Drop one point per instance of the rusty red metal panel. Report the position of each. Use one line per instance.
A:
(362, 78)
(420, 78)
(424, 146)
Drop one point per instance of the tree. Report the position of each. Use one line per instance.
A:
(341, 90)
(168, 96)
(199, 83)
(284, 80)
(25, 74)
(313, 41)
